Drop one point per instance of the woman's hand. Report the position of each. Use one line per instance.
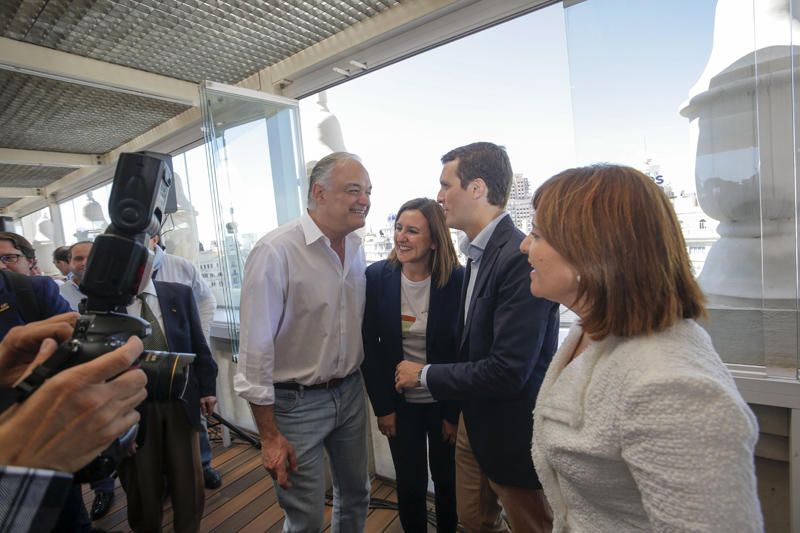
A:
(388, 425)
(449, 432)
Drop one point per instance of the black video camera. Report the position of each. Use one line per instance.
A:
(119, 268)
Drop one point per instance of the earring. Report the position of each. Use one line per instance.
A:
(578, 278)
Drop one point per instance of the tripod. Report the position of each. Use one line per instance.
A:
(247, 437)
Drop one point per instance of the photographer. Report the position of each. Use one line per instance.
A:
(69, 420)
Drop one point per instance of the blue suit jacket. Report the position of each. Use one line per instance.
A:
(506, 346)
(383, 341)
(48, 297)
(184, 334)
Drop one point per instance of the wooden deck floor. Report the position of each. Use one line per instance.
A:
(246, 500)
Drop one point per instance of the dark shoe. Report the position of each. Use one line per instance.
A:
(101, 504)
(212, 478)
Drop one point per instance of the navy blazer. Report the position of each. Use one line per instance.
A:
(48, 297)
(506, 346)
(184, 334)
(382, 331)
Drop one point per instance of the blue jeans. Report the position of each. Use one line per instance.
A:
(332, 420)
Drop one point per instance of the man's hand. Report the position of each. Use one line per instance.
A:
(388, 425)
(406, 375)
(278, 457)
(207, 404)
(449, 432)
(21, 345)
(76, 414)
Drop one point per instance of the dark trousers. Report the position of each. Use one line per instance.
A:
(169, 458)
(73, 516)
(417, 423)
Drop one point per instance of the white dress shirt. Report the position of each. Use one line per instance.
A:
(71, 293)
(151, 298)
(179, 270)
(301, 311)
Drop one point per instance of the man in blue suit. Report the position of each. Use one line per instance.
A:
(24, 297)
(507, 339)
(170, 454)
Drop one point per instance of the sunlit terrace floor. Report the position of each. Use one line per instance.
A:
(246, 500)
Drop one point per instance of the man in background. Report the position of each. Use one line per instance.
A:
(19, 255)
(77, 257)
(61, 262)
(176, 269)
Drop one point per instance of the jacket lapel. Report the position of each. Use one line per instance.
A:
(391, 306)
(434, 315)
(488, 260)
(168, 312)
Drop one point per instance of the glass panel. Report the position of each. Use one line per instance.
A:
(255, 169)
(38, 228)
(710, 118)
(85, 216)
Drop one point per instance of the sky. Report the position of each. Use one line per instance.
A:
(603, 80)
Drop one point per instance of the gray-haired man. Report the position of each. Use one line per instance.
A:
(301, 349)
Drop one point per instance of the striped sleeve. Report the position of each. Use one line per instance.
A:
(31, 498)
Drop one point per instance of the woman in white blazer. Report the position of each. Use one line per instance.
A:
(638, 425)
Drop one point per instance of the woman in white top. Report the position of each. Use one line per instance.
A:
(411, 314)
(638, 425)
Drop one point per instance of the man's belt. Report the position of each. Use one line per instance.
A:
(292, 385)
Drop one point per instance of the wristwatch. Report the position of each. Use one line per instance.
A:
(419, 377)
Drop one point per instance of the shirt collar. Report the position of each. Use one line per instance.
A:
(312, 233)
(474, 249)
(149, 289)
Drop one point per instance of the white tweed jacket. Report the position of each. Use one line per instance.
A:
(646, 434)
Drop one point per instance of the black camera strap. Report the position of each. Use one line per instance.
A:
(40, 374)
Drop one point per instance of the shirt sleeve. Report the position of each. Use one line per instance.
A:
(262, 304)
(206, 303)
(30, 498)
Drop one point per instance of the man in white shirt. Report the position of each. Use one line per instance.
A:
(167, 267)
(301, 348)
(78, 257)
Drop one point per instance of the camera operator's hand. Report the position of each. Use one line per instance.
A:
(207, 404)
(21, 344)
(76, 414)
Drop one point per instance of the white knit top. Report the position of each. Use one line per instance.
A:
(646, 434)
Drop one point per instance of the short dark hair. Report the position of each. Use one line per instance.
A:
(487, 161)
(61, 254)
(599, 218)
(76, 244)
(20, 243)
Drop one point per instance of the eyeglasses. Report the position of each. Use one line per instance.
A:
(10, 259)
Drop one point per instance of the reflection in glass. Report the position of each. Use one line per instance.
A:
(742, 118)
(86, 216)
(39, 230)
(255, 171)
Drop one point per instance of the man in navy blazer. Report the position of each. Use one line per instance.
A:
(171, 447)
(507, 339)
